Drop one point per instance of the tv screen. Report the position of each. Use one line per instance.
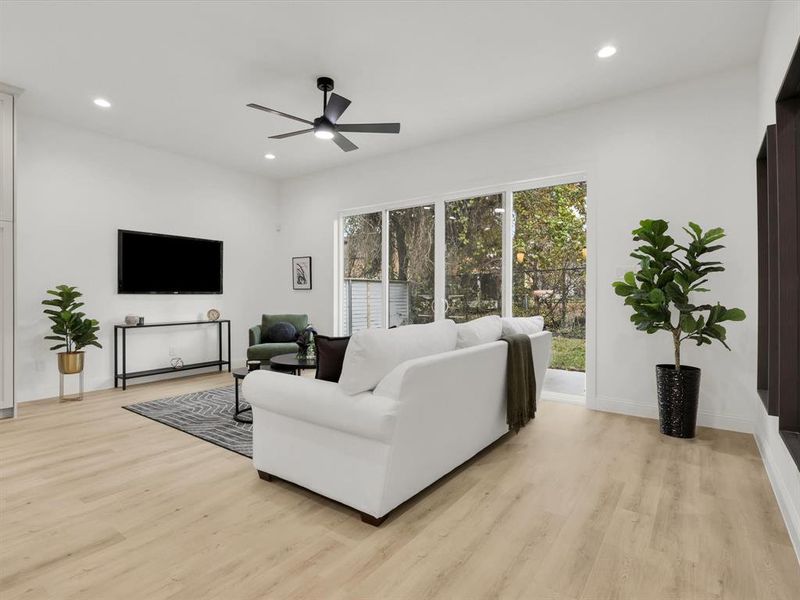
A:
(152, 263)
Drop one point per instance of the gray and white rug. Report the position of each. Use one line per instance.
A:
(207, 415)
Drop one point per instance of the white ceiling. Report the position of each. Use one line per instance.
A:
(180, 73)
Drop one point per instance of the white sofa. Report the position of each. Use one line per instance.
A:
(374, 450)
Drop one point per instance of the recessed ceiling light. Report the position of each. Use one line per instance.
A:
(606, 52)
(269, 156)
(102, 103)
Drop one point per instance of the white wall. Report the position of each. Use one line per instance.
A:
(75, 188)
(780, 39)
(679, 152)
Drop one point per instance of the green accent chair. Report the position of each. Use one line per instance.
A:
(260, 349)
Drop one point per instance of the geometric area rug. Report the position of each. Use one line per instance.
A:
(207, 415)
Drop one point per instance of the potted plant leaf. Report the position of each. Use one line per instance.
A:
(71, 329)
(661, 293)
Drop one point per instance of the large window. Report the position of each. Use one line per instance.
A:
(510, 251)
(474, 250)
(362, 294)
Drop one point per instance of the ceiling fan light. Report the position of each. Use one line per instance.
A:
(324, 134)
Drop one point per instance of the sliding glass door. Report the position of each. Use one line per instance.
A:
(473, 257)
(518, 250)
(362, 274)
(411, 265)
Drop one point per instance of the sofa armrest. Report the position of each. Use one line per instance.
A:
(321, 403)
(254, 335)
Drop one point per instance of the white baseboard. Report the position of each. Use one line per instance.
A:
(650, 411)
(791, 517)
(782, 472)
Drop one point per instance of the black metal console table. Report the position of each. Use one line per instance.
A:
(125, 375)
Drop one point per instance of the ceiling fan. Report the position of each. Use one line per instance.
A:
(327, 127)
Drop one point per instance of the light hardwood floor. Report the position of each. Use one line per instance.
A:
(98, 502)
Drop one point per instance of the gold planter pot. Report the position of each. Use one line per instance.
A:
(70, 363)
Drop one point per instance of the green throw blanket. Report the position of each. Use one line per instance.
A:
(520, 382)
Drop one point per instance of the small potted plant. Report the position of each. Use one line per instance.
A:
(661, 294)
(70, 327)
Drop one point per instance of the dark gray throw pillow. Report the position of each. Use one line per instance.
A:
(281, 332)
(330, 356)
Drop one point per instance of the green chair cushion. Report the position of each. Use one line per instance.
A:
(300, 322)
(267, 351)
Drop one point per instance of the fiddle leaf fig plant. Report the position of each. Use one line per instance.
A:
(71, 329)
(661, 292)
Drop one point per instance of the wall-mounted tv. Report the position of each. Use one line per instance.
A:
(153, 263)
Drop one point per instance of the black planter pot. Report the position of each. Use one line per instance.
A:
(678, 392)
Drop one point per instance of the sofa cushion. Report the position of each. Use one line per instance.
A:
(529, 325)
(373, 353)
(330, 353)
(300, 322)
(280, 332)
(264, 352)
(479, 331)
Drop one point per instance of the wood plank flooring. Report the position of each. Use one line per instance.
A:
(98, 502)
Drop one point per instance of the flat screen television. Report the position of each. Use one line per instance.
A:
(153, 263)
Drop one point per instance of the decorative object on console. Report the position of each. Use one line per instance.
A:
(131, 319)
(212, 314)
(330, 353)
(141, 321)
(301, 273)
(177, 363)
(305, 342)
(668, 273)
(71, 330)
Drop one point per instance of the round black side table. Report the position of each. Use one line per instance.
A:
(290, 362)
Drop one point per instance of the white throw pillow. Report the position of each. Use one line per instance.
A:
(372, 353)
(529, 325)
(479, 331)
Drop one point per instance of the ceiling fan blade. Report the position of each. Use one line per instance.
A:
(343, 142)
(290, 134)
(371, 127)
(277, 112)
(335, 107)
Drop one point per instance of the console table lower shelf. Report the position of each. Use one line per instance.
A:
(125, 374)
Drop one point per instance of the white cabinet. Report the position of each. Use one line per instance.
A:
(6, 157)
(6, 318)
(6, 255)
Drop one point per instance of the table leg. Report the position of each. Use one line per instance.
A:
(124, 367)
(116, 381)
(236, 410)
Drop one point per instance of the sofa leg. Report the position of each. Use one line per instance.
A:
(265, 476)
(374, 521)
